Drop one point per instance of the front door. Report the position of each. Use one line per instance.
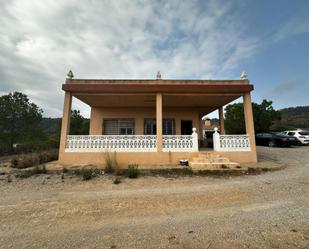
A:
(186, 127)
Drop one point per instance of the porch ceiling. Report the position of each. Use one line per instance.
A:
(207, 102)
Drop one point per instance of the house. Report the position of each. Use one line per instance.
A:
(154, 122)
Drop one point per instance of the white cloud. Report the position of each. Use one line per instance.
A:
(295, 26)
(41, 40)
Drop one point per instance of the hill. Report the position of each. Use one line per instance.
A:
(51, 126)
(293, 118)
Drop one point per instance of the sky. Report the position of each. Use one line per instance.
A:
(40, 41)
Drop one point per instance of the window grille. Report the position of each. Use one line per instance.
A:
(118, 127)
(150, 127)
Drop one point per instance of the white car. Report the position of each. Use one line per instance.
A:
(301, 135)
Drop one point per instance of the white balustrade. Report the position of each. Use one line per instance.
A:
(180, 143)
(131, 143)
(230, 142)
(111, 143)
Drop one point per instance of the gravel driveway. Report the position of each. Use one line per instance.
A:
(270, 210)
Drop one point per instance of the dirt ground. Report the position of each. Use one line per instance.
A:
(270, 210)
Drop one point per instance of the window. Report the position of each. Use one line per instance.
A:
(304, 133)
(168, 126)
(291, 133)
(150, 127)
(118, 127)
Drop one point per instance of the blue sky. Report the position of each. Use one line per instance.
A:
(40, 41)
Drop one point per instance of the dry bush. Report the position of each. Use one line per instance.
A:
(133, 171)
(111, 164)
(32, 159)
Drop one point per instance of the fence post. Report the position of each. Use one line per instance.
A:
(216, 139)
(195, 140)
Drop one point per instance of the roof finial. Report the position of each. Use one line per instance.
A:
(70, 74)
(158, 75)
(244, 75)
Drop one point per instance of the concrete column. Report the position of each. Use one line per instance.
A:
(159, 121)
(200, 127)
(65, 126)
(221, 120)
(249, 121)
(96, 122)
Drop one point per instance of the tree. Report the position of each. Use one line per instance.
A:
(78, 124)
(19, 120)
(264, 117)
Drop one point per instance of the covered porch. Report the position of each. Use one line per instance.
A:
(153, 121)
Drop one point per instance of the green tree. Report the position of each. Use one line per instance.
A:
(264, 117)
(78, 124)
(19, 120)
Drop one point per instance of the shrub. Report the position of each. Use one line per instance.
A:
(64, 170)
(86, 174)
(117, 180)
(223, 166)
(14, 162)
(133, 171)
(111, 164)
(32, 159)
(40, 169)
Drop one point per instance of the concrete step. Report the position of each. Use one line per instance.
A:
(201, 166)
(210, 160)
(210, 155)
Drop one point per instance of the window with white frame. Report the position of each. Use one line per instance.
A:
(150, 127)
(118, 127)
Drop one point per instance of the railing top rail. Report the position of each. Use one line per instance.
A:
(111, 135)
(236, 135)
(177, 135)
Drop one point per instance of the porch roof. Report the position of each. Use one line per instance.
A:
(154, 86)
(204, 95)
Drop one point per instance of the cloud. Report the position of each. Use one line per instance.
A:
(40, 41)
(295, 26)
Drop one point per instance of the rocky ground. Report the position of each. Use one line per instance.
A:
(269, 210)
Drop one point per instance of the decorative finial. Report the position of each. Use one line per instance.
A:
(158, 75)
(244, 75)
(70, 74)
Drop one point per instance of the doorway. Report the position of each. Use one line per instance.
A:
(186, 127)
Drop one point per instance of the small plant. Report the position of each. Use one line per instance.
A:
(223, 166)
(40, 169)
(111, 164)
(86, 174)
(116, 180)
(133, 171)
(9, 178)
(238, 167)
(14, 162)
(64, 170)
(77, 172)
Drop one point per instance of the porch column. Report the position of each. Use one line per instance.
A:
(249, 121)
(65, 126)
(221, 120)
(159, 121)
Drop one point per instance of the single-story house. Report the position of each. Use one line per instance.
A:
(154, 122)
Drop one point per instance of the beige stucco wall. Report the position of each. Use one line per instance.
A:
(149, 159)
(139, 114)
(146, 159)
